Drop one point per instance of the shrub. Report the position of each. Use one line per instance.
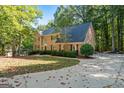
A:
(47, 52)
(59, 53)
(72, 54)
(54, 53)
(34, 52)
(86, 50)
(41, 52)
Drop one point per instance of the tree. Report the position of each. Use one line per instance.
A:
(50, 24)
(16, 22)
(62, 19)
(107, 22)
(120, 17)
(113, 27)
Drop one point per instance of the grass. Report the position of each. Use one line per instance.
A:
(17, 66)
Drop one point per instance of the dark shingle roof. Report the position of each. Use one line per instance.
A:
(47, 32)
(75, 33)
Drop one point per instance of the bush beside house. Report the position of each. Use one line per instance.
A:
(72, 54)
(86, 50)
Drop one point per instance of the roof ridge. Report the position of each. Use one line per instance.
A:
(70, 25)
(52, 29)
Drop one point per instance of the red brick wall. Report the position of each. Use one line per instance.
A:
(90, 37)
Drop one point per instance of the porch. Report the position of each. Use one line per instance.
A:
(63, 47)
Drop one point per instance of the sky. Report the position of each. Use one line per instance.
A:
(48, 13)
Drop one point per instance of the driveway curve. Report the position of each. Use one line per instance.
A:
(104, 71)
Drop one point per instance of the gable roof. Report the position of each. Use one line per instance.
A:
(75, 33)
(47, 32)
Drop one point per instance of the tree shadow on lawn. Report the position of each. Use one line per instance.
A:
(13, 70)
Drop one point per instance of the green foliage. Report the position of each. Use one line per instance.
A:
(27, 43)
(50, 24)
(34, 52)
(72, 54)
(16, 25)
(86, 50)
(62, 17)
(108, 23)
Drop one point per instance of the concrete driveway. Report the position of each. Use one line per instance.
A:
(106, 70)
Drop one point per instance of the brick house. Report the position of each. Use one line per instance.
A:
(67, 39)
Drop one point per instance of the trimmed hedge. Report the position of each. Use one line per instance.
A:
(34, 52)
(72, 54)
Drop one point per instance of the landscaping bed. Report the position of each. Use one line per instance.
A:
(22, 65)
(71, 54)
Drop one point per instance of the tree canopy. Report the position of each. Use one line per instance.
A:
(108, 23)
(16, 25)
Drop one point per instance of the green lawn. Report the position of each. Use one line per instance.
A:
(17, 66)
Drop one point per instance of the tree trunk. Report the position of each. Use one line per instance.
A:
(113, 37)
(97, 42)
(120, 32)
(120, 36)
(14, 48)
(19, 45)
(13, 51)
(106, 35)
(123, 33)
(113, 29)
(3, 49)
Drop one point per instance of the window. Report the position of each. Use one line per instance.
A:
(59, 47)
(71, 47)
(51, 47)
(45, 48)
(77, 47)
